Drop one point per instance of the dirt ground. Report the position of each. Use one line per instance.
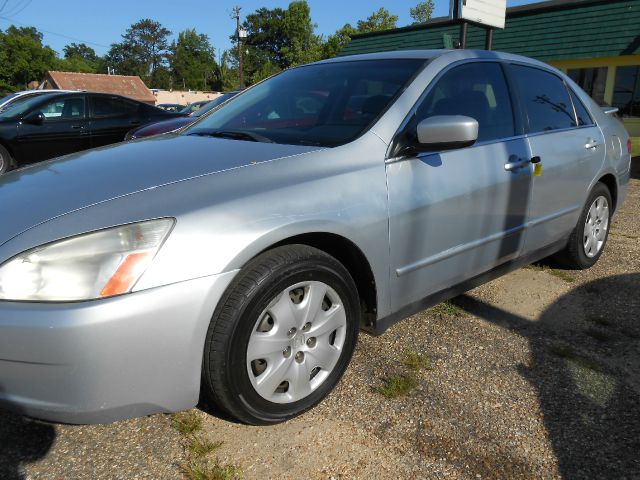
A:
(534, 375)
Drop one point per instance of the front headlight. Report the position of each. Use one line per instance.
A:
(93, 265)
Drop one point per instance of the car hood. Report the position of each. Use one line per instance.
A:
(33, 195)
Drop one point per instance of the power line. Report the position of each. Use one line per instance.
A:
(17, 10)
(2, 17)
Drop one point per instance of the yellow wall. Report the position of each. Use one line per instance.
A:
(631, 124)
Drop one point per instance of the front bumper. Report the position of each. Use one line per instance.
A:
(106, 360)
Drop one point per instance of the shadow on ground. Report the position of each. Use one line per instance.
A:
(586, 370)
(22, 441)
(635, 168)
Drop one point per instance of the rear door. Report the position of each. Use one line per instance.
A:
(64, 130)
(570, 148)
(111, 118)
(455, 214)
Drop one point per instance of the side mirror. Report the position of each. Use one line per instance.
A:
(34, 118)
(446, 132)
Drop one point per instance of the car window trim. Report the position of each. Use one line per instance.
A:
(572, 94)
(60, 119)
(519, 130)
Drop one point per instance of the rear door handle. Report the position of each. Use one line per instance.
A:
(516, 164)
(77, 127)
(592, 145)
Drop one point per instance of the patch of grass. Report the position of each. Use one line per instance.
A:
(202, 446)
(538, 267)
(211, 470)
(624, 235)
(186, 422)
(561, 274)
(397, 385)
(448, 309)
(566, 352)
(416, 361)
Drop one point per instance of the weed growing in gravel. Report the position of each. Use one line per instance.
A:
(566, 352)
(210, 470)
(603, 322)
(397, 385)
(599, 334)
(446, 308)
(202, 446)
(416, 361)
(186, 422)
(561, 274)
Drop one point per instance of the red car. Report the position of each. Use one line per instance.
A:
(174, 124)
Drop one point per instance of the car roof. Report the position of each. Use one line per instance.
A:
(457, 54)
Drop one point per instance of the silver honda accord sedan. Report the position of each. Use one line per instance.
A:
(238, 260)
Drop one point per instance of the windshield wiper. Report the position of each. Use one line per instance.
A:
(235, 135)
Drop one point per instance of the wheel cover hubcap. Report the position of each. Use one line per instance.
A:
(595, 227)
(296, 342)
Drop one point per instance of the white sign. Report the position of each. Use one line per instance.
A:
(486, 12)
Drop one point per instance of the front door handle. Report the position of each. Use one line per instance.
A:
(77, 127)
(593, 144)
(517, 164)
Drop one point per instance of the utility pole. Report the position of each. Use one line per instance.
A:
(240, 34)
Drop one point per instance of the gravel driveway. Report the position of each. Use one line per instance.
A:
(534, 375)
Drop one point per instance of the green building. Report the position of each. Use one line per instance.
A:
(596, 42)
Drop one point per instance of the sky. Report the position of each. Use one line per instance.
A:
(99, 24)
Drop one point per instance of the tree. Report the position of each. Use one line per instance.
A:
(336, 42)
(422, 12)
(142, 51)
(23, 57)
(193, 61)
(278, 39)
(78, 57)
(80, 50)
(380, 20)
(226, 74)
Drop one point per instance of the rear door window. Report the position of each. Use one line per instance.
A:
(545, 99)
(112, 107)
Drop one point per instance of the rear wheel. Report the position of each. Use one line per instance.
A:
(589, 237)
(282, 336)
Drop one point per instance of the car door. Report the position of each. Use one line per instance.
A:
(63, 129)
(111, 118)
(570, 149)
(455, 214)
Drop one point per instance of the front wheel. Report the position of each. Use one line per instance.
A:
(589, 237)
(282, 335)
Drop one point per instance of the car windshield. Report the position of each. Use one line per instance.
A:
(212, 104)
(327, 104)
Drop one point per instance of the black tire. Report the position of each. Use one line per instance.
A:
(574, 256)
(5, 160)
(226, 381)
